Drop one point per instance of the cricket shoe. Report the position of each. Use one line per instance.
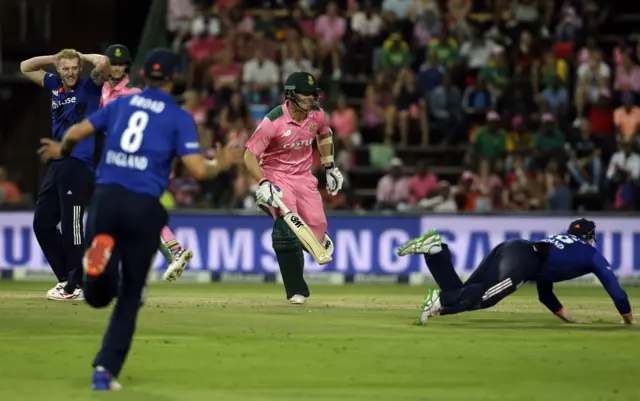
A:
(96, 258)
(55, 294)
(429, 243)
(298, 299)
(57, 288)
(104, 381)
(430, 307)
(180, 260)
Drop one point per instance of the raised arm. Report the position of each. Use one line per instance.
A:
(100, 73)
(33, 68)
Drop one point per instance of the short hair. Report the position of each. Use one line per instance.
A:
(156, 83)
(68, 54)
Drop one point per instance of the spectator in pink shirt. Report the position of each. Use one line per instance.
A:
(343, 119)
(393, 187)
(627, 76)
(226, 78)
(330, 28)
(344, 123)
(201, 54)
(421, 183)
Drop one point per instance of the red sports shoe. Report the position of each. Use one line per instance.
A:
(97, 256)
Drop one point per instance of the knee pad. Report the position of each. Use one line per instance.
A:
(283, 238)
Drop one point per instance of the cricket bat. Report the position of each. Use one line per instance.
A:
(304, 234)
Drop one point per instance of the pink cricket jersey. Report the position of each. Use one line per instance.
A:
(283, 145)
(111, 92)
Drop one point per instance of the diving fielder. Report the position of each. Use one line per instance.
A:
(67, 184)
(279, 157)
(511, 264)
(118, 85)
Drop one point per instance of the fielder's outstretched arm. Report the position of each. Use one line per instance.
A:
(602, 270)
(549, 299)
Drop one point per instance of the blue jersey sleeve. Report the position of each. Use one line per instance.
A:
(100, 119)
(52, 82)
(547, 297)
(602, 270)
(186, 135)
(91, 87)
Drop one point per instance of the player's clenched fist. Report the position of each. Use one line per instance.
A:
(266, 192)
(334, 180)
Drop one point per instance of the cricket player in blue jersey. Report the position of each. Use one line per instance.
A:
(144, 132)
(68, 181)
(511, 264)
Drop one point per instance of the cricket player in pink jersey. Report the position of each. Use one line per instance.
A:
(119, 84)
(279, 156)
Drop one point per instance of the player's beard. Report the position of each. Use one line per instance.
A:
(297, 111)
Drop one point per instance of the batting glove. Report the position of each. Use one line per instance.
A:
(334, 179)
(266, 192)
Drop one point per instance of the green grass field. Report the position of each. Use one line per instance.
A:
(235, 342)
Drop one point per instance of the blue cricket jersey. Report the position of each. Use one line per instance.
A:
(571, 257)
(144, 132)
(69, 108)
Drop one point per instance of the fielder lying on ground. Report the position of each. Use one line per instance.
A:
(511, 264)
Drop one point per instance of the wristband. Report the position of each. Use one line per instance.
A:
(326, 160)
(65, 151)
(263, 180)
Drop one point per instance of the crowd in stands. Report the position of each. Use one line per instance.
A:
(548, 115)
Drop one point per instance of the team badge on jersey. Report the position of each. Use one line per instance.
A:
(312, 128)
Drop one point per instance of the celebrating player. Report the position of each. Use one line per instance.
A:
(144, 132)
(67, 183)
(279, 156)
(512, 263)
(118, 85)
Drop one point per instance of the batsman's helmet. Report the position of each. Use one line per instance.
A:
(118, 54)
(302, 83)
(583, 228)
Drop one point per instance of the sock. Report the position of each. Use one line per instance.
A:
(169, 240)
(165, 252)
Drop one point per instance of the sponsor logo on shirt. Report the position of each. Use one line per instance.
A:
(69, 100)
(299, 144)
(287, 133)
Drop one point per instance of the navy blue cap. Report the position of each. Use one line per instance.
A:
(160, 64)
(583, 228)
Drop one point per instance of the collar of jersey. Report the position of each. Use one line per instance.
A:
(123, 82)
(287, 115)
(158, 92)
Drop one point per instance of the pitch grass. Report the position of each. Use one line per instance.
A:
(234, 342)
